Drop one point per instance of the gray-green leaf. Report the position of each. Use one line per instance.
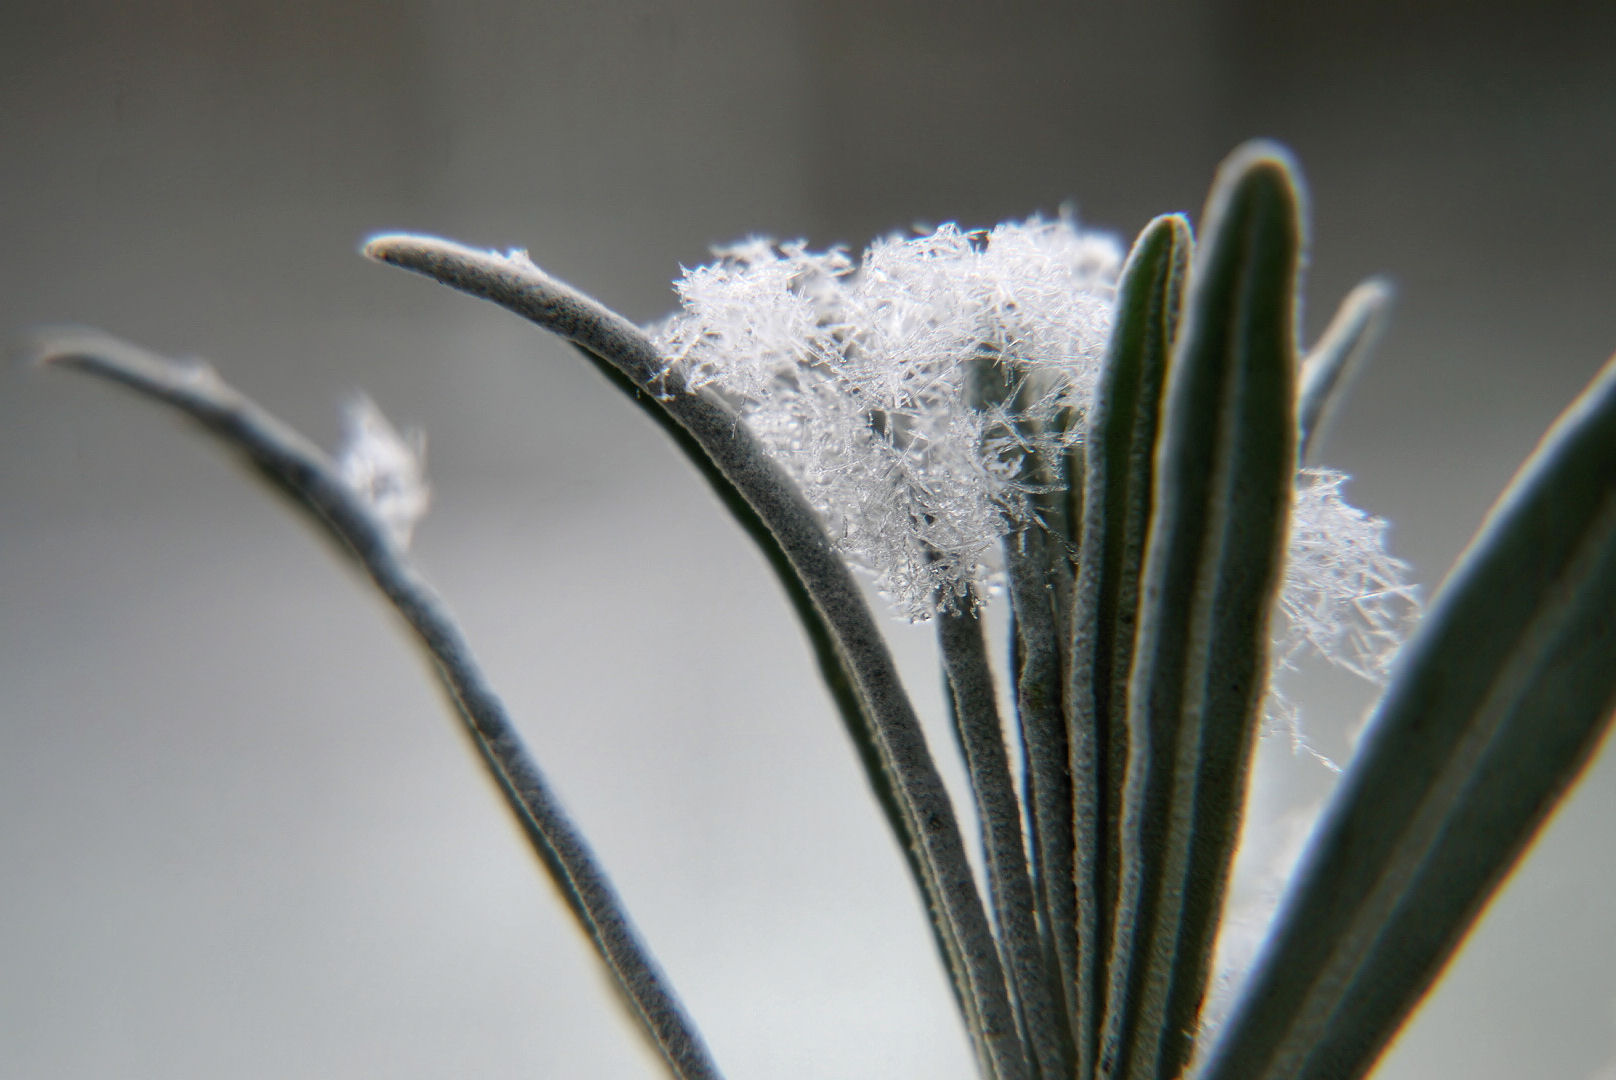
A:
(1225, 462)
(1337, 357)
(1119, 466)
(1491, 713)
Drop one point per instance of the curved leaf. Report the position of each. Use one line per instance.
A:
(1337, 357)
(301, 471)
(1492, 711)
(832, 667)
(1119, 466)
(1224, 471)
(929, 827)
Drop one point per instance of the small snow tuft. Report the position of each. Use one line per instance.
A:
(386, 468)
(864, 380)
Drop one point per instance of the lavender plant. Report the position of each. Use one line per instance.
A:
(1113, 446)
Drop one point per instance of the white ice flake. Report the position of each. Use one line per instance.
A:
(1344, 596)
(865, 380)
(386, 468)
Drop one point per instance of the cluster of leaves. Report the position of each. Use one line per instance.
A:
(1142, 585)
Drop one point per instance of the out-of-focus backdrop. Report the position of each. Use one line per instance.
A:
(239, 835)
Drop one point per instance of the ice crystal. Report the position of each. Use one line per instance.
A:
(866, 382)
(872, 383)
(385, 467)
(1343, 596)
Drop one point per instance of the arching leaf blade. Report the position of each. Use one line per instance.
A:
(929, 827)
(1224, 473)
(1336, 358)
(1119, 464)
(1491, 713)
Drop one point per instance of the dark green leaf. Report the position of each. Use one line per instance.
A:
(741, 469)
(1491, 712)
(1040, 573)
(1118, 466)
(980, 731)
(1337, 357)
(1225, 466)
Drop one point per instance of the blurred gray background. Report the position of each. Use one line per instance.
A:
(239, 835)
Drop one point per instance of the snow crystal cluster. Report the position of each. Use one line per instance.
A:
(385, 467)
(1344, 597)
(865, 380)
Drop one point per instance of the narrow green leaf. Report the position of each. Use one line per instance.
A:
(1039, 564)
(980, 732)
(929, 827)
(1040, 579)
(296, 468)
(1224, 472)
(832, 667)
(1118, 466)
(1491, 713)
(1337, 357)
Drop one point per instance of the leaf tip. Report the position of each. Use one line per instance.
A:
(390, 247)
(1377, 293)
(1164, 231)
(1260, 157)
(56, 346)
(1259, 175)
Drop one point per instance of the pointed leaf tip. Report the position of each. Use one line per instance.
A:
(50, 346)
(376, 247)
(401, 248)
(1335, 360)
(1223, 470)
(1258, 176)
(1165, 232)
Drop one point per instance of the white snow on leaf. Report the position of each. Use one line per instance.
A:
(1344, 596)
(864, 379)
(386, 468)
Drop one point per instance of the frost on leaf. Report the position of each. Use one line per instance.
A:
(1343, 594)
(386, 468)
(918, 394)
(1344, 598)
(866, 381)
